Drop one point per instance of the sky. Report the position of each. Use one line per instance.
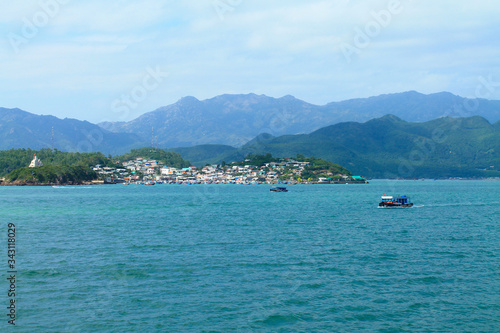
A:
(114, 61)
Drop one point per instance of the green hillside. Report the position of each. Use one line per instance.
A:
(58, 167)
(13, 159)
(389, 147)
(52, 174)
(206, 154)
(168, 158)
(70, 168)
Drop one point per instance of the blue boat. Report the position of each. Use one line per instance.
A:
(389, 201)
(278, 189)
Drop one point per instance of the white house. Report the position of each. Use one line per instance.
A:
(168, 171)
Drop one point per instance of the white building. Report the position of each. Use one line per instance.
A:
(36, 162)
(168, 171)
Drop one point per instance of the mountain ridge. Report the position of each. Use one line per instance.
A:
(234, 119)
(21, 129)
(228, 120)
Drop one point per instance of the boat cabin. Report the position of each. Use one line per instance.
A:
(387, 198)
(403, 199)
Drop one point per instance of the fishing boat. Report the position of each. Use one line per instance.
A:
(278, 189)
(389, 201)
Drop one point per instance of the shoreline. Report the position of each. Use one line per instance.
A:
(44, 184)
(271, 184)
(186, 183)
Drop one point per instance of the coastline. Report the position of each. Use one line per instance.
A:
(177, 183)
(3, 183)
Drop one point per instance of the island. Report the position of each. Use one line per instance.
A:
(156, 166)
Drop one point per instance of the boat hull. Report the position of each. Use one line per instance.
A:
(394, 205)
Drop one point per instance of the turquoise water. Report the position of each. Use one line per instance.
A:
(235, 258)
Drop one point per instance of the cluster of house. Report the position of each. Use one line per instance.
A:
(144, 170)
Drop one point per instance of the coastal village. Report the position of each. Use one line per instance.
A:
(151, 172)
(258, 169)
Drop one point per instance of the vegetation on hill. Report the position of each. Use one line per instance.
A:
(315, 168)
(70, 168)
(321, 168)
(13, 159)
(167, 158)
(52, 174)
(257, 160)
(206, 154)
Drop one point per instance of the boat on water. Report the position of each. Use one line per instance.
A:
(278, 189)
(389, 201)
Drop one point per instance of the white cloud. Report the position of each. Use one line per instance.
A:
(107, 17)
(92, 52)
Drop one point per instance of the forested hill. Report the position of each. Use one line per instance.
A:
(389, 147)
(13, 159)
(167, 158)
(59, 168)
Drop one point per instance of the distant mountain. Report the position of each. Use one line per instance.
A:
(389, 147)
(413, 106)
(227, 119)
(235, 119)
(224, 122)
(21, 129)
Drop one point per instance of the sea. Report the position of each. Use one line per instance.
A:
(239, 258)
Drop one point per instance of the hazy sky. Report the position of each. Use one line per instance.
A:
(97, 61)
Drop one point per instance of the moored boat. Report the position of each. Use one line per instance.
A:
(389, 201)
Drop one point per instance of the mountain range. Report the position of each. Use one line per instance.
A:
(21, 129)
(355, 133)
(236, 119)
